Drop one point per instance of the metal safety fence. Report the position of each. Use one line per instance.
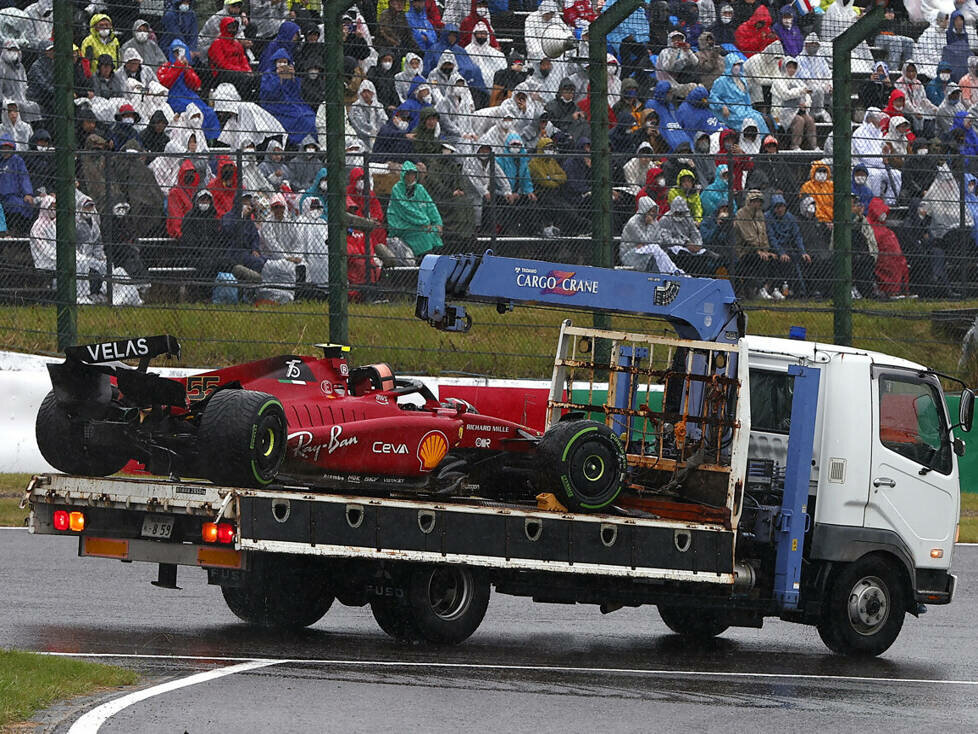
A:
(200, 169)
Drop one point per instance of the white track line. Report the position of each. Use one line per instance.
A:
(92, 721)
(532, 668)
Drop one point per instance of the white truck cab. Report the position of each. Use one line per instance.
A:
(884, 470)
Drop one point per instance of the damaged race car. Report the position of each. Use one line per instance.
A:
(311, 421)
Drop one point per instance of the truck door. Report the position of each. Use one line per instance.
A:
(914, 477)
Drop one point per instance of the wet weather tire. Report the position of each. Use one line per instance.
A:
(242, 438)
(582, 463)
(286, 593)
(443, 605)
(864, 608)
(62, 445)
(699, 624)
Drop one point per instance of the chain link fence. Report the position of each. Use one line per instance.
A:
(200, 175)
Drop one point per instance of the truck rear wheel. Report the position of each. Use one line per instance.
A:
(441, 604)
(699, 624)
(62, 444)
(286, 593)
(242, 437)
(864, 609)
(582, 463)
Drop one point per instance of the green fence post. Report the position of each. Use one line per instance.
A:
(64, 146)
(842, 48)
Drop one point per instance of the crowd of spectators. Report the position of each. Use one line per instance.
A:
(202, 123)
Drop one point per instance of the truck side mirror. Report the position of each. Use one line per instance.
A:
(966, 409)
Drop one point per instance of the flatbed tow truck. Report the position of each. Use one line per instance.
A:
(778, 478)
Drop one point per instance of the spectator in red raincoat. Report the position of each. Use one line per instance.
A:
(755, 35)
(224, 185)
(362, 264)
(733, 158)
(579, 13)
(180, 200)
(655, 188)
(228, 59)
(892, 273)
(362, 208)
(479, 14)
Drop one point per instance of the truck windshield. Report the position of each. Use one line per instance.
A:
(912, 421)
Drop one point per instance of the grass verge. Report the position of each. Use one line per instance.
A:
(30, 682)
(969, 518)
(518, 344)
(10, 514)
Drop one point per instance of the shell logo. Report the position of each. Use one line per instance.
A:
(432, 449)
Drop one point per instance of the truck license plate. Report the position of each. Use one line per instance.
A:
(157, 526)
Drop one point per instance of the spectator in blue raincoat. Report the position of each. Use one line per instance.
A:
(860, 175)
(964, 120)
(179, 23)
(730, 98)
(936, 86)
(178, 76)
(281, 95)
(716, 194)
(16, 191)
(448, 41)
(418, 97)
(958, 47)
(635, 25)
(669, 126)
(284, 39)
(392, 143)
(786, 29)
(694, 113)
(423, 31)
(515, 166)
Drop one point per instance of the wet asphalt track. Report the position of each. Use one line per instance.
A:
(530, 667)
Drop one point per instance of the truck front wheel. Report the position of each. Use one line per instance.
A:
(287, 593)
(699, 624)
(441, 604)
(864, 609)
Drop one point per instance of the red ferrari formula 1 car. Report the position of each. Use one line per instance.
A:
(313, 421)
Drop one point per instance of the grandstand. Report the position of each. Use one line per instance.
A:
(200, 129)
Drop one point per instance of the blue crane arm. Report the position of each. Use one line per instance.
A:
(698, 308)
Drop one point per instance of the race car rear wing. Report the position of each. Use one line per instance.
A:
(143, 348)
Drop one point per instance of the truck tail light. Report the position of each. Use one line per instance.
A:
(60, 520)
(225, 532)
(208, 532)
(217, 532)
(76, 521)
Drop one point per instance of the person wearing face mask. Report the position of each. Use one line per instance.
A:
(655, 188)
(960, 39)
(730, 97)
(201, 245)
(392, 143)
(950, 106)
(101, 39)
(641, 238)
(179, 23)
(13, 126)
(788, 32)
(757, 265)
(919, 170)
(367, 115)
(725, 27)
(456, 114)
(90, 263)
(717, 193)
(514, 164)
(42, 168)
(875, 91)
(178, 76)
(677, 64)
(478, 16)
(316, 191)
(145, 45)
(443, 77)
(393, 29)
(484, 51)
(819, 186)
(860, 177)
(425, 137)
(412, 215)
(382, 76)
(936, 88)
(490, 185)
(451, 190)
(405, 81)
(44, 235)
(418, 98)
(124, 129)
(548, 177)
(228, 60)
